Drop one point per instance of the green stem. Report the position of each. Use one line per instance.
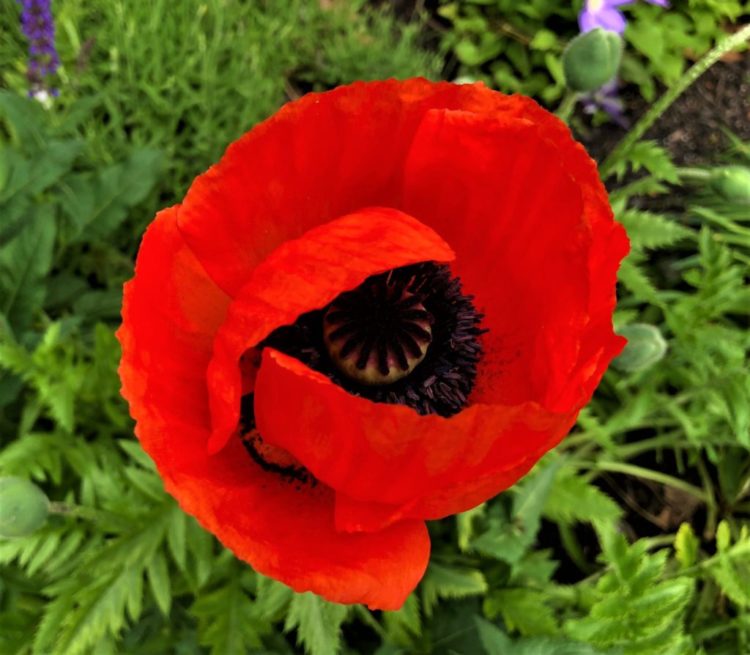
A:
(693, 174)
(627, 451)
(658, 542)
(568, 104)
(74, 511)
(712, 514)
(572, 546)
(661, 105)
(655, 476)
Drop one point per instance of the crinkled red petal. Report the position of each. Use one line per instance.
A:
(504, 183)
(533, 238)
(305, 274)
(389, 454)
(171, 312)
(543, 270)
(320, 157)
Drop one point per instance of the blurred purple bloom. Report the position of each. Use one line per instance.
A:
(607, 100)
(604, 14)
(39, 28)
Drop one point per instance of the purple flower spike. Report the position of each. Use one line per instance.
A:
(38, 26)
(604, 14)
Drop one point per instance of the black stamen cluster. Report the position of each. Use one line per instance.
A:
(443, 381)
(252, 440)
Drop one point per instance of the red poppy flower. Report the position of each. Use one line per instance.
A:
(381, 307)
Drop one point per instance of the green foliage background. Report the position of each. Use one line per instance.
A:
(569, 562)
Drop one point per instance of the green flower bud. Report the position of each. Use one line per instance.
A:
(592, 59)
(23, 507)
(732, 183)
(645, 347)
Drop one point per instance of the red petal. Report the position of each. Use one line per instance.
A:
(534, 235)
(320, 157)
(306, 274)
(523, 207)
(170, 314)
(368, 516)
(389, 454)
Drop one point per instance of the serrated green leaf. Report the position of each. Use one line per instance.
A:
(450, 582)
(317, 622)
(637, 281)
(522, 610)
(465, 525)
(651, 231)
(158, 578)
(686, 546)
(226, 624)
(573, 499)
(404, 625)
(272, 599)
(531, 496)
(731, 567)
(176, 539)
(636, 609)
(650, 156)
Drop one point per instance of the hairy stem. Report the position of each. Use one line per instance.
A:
(655, 476)
(661, 105)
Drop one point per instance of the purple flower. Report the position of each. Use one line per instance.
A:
(39, 28)
(607, 100)
(604, 14)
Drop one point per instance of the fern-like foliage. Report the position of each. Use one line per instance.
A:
(634, 608)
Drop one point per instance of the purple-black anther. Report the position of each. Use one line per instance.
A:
(38, 26)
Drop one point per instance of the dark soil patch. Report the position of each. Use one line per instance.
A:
(691, 129)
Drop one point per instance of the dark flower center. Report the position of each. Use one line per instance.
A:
(409, 336)
(378, 333)
(269, 458)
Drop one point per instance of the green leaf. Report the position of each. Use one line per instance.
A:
(405, 624)
(544, 40)
(272, 598)
(24, 265)
(450, 582)
(24, 117)
(652, 231)
(637, 281)
(686, 546)
(574, 499)
(465, 525)
(96, 205)
(635, 607)
(226, 624)
(494, 640)
(158, 577)
(731, 569)
(522, 610)
(177, 540)
(31, 177)
(650, 156)
(318, 623)
(531, 496)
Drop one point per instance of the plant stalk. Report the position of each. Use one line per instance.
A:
(661, 105)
